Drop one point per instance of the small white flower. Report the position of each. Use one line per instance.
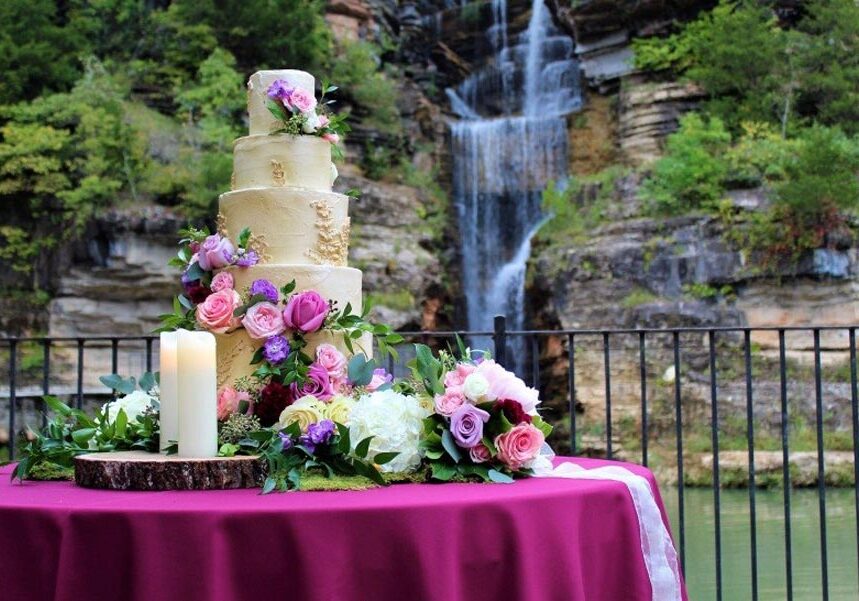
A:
(312, 122)
(475, 387)
(395, 421)
(134, 404)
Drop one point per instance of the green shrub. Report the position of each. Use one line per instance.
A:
(691, 175)
(760, 156)
(569, 220)
(356, 70)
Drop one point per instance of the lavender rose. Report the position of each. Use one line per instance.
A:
(318, 384)
(263, 320)
(305, 311)
(276, 349)
(266, 289)
(215, 252)
(379, 379)
(466, 425)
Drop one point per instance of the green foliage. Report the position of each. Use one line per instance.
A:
(691, 174)
(72, 432)
(357, 71)
(572, 219)
(760, 156)
(638, 297)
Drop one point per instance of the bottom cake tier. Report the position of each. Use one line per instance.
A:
(339, 284)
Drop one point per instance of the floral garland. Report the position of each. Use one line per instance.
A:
(299, 112)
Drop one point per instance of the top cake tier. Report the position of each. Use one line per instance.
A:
(261, 119)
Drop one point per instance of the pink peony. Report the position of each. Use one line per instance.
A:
(457, 376)
(334, 362)
(228, 401)
(331, 137)
(446, 404)
(216, 312)
(215, 252)
(223, 281)
(263, 320)
(504, 384)
(305, 311)
(479, 453)
(302, 101)
(519, 446)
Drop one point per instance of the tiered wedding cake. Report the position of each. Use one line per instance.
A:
(281, 191)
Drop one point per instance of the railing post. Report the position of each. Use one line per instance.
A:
(499, 338)
(13, 401)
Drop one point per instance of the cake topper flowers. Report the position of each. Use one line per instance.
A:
(299, 112)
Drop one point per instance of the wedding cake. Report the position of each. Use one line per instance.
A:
(281, 191)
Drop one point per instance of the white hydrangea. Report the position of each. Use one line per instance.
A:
(134, 404)
(395, 422)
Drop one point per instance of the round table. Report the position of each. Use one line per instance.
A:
(537, 539)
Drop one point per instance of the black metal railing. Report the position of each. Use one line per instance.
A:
(615, 374)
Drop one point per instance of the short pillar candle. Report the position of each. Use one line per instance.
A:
(198, 404)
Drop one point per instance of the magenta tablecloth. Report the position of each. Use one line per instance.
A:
(538, 539)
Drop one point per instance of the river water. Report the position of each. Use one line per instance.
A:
(805, 534)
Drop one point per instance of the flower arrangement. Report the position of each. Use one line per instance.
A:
(484, 422)
(299, 112)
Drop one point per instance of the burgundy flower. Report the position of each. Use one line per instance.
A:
(512, 410)
(195, 290)
(273, 399)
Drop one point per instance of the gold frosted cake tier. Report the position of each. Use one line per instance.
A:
(294, 226)
(282, 160)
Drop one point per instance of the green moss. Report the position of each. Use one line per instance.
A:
(639, 296)
(51, 471)
(318, 482)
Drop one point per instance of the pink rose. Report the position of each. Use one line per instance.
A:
(323, 121)
(228, 401)
(216, 312)
(456, 377)
(333, 361)
(263, 320)
(479, 453)
(519, 446)
(215, 252)
(305, 311)
(331, 137)
(379, 379)
(446, 404)
(223, 281)
(302, 101)
(504, 384)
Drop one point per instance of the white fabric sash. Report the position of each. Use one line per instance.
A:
(660, 557)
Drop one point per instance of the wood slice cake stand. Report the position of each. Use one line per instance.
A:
(139, 470)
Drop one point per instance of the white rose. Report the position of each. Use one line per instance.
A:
(396, 423)
(306, 410)
(339, 409)
(133, 404)
(312, 122)
(475, 387)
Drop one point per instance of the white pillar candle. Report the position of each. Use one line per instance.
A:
(198, 404)
(169, 387)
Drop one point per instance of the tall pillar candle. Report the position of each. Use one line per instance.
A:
(198, 404)
(169, 387)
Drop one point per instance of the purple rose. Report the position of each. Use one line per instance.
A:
(318, 384)
(466, 425)
(266, 289)
(380, 379)
(215, 252)
(305, 311)
(276, 349)
(245, 258)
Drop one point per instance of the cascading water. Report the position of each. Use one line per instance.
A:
(510, 141)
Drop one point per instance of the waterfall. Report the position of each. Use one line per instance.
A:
(510, 141)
